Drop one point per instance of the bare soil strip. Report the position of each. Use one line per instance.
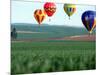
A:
(81, 38)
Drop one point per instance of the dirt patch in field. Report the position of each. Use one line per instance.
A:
(81, 38)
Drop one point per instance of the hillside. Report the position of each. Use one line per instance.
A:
(46, 31)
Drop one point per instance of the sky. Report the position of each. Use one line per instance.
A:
(23, 12)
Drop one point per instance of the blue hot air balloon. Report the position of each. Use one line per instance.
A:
(89, 20)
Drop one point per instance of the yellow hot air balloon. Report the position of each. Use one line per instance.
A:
(69, 9)
(39, 15)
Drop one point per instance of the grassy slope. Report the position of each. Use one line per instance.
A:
(51, 31)
(34, 57)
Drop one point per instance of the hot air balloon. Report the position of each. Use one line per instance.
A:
(50, 8)
(69, 9)
(89, 20)
(39, 15)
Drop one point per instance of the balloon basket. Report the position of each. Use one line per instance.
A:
(90, 33)
(49, 20)
(69, 18)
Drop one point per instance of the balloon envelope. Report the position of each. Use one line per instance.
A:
(39, 15)
(89, 20)
(69, 9)
(50, 8)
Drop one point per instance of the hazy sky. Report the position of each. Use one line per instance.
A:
(22, 12)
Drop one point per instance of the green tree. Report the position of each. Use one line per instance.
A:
(14, 33)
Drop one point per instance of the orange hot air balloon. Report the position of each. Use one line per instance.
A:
(39, 15)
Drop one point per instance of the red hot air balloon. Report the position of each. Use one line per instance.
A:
(50, 8)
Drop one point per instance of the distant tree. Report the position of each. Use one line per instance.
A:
(14, 33)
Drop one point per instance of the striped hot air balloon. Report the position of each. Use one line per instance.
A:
(69, 9)
(89, 20)
(39, 15)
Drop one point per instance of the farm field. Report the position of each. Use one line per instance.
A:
(52, 56)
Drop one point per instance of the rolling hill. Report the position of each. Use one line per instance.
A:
(26, 30)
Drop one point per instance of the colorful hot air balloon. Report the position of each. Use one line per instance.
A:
(39, 15)
(89, 20)
(69, 9)
(50, 8)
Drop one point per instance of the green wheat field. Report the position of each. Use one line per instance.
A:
(51, 55)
